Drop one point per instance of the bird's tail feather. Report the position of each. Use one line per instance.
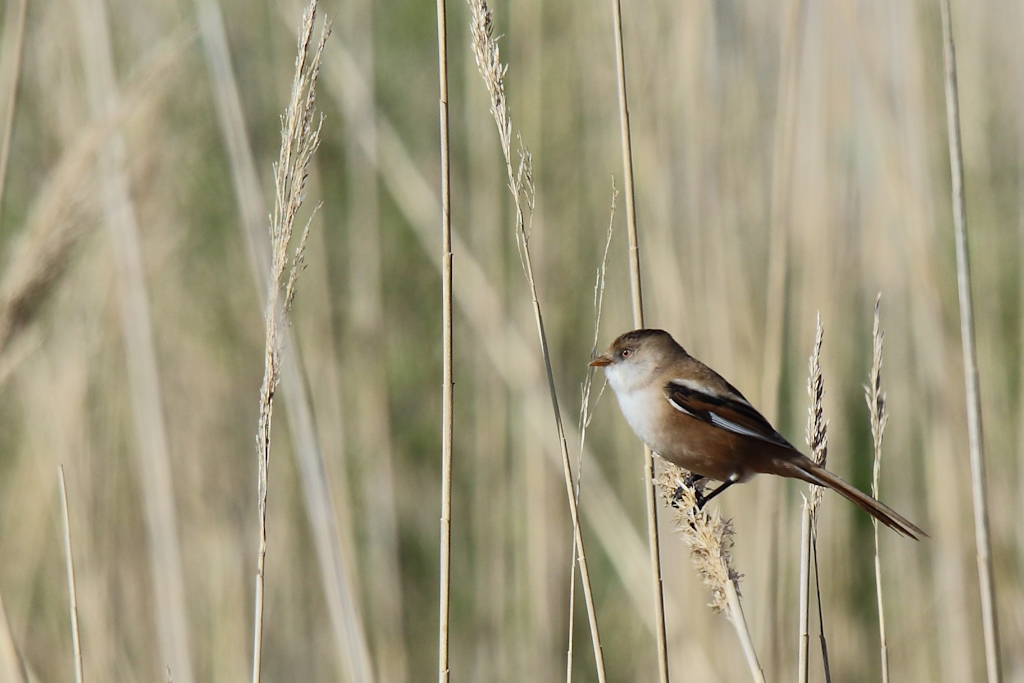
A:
(814, 474)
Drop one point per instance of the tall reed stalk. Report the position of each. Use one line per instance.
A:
(976, 440)
(448, 382)
(636, 289)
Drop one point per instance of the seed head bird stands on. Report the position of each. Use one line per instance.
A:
(689, 415)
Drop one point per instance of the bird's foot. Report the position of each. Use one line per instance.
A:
(677, 496)
(690, 481)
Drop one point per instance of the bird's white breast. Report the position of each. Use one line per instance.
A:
(639, 398)
(639, 412)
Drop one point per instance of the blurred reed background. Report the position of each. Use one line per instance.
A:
(790, 158)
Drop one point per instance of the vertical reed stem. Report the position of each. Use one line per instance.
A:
(986, 582)
(653, 539)
(448, 383)
(803, 650)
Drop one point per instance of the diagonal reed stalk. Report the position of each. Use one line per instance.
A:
(300, 137)
(501, 338)
(653, 540)
(875, 398)
(520, 183)
(448, 382)
(986, 581)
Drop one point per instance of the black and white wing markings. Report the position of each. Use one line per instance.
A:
(734, 414)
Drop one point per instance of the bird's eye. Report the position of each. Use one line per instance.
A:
(625, 353)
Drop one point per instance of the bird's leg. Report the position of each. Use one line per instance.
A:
(703, 500)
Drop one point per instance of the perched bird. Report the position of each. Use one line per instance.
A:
(689, 415)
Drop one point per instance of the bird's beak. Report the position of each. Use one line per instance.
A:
(601, 361)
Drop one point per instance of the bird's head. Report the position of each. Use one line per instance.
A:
(632, 360)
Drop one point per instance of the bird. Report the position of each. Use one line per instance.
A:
(691, 416)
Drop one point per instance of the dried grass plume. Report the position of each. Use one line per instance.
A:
(709, 537)
(299, 141)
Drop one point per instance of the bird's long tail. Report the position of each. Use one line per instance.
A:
(806, 470)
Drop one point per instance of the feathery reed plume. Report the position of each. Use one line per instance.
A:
(60, 212)
(817, 441)
(972, 389)
(875, 398)
(709, 538)
(300, 137)
(329, 521)
(520, 184)
(817, 425)
(42, 254)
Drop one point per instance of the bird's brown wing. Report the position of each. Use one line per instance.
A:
(725, 412)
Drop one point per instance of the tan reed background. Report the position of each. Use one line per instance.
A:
(804, 140)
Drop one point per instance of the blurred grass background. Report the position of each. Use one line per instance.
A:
(790, 158)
